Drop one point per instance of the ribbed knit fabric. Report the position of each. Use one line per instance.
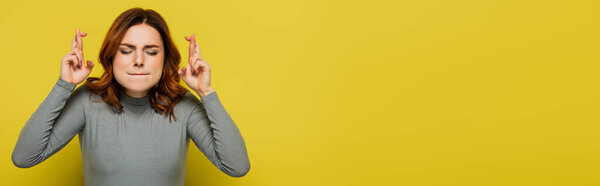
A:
(137, 146)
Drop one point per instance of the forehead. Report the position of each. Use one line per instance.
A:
(141, 35)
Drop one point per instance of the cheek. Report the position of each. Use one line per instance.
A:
(120, 61)
(156, 65)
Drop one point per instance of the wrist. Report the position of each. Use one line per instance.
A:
(205, 92)
(72, 83)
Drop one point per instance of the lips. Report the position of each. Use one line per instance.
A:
(138, 74)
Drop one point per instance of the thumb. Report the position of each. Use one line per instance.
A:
(181, 71)
(90, 65)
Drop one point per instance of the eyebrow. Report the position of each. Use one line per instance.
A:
(133, 46)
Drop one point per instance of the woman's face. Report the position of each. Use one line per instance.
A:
(138, 64)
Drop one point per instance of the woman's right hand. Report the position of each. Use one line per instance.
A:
(72, 69)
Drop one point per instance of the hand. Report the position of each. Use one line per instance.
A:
(197, 72)
(71, 68)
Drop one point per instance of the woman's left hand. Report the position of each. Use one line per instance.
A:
(197, 72)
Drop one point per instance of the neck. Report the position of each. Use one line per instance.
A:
(136, 94)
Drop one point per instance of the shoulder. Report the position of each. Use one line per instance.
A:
(81, 91)
(188, 104)
(189, 101)
(83, 95)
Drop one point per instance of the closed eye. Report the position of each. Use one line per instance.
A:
(125, 52)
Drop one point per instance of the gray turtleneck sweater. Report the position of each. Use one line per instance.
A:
(137, 146)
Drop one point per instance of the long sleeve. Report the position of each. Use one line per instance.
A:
(54, 123)
(217, 136)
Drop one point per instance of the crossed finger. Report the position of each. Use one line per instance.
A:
(194, 53)
(77, 48)
(77, 41)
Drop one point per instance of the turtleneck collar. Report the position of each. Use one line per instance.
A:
(134, 101)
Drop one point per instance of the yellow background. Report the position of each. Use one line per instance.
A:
(432, 92)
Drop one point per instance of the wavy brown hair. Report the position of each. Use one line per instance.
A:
(167, 92)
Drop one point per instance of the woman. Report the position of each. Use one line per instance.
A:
(135, 121)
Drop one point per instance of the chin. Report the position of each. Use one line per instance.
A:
(138, 88)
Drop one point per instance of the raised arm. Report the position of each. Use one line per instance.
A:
(60, 116)
(209, 125)
(218, 137)
(55, 122)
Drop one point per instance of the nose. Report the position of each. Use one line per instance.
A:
(139, 60)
